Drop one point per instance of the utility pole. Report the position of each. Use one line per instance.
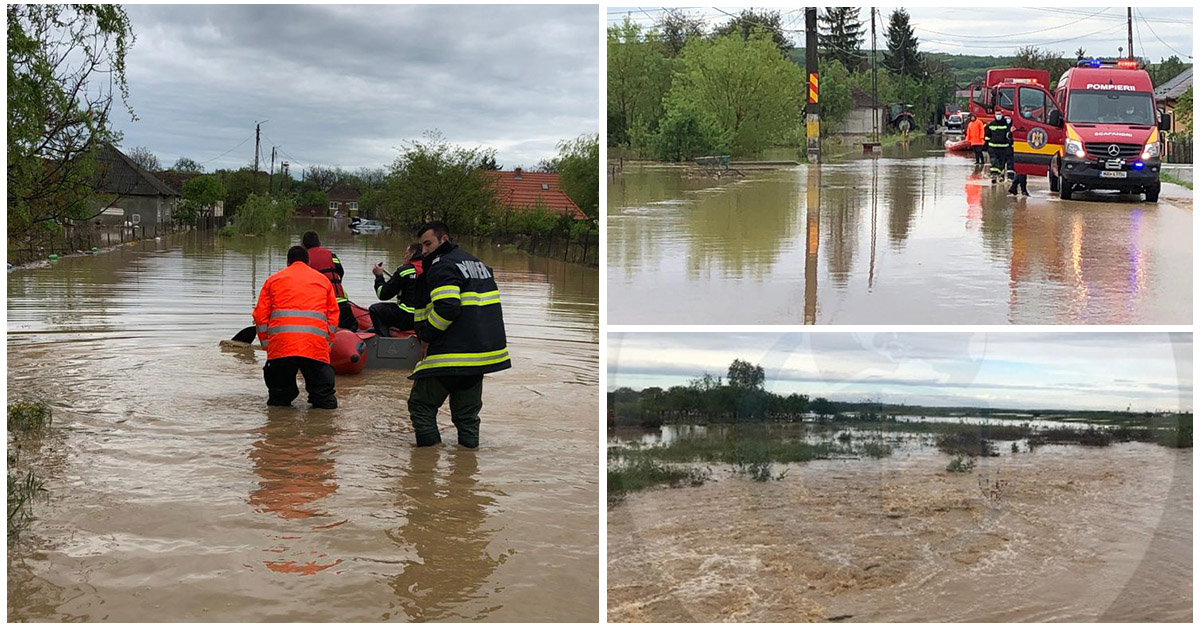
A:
(254, 175)
(874, 80)
(813, 108)
(1129, 26)
(271, 181)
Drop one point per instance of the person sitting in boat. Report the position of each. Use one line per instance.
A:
(328, 264)
(403, 285)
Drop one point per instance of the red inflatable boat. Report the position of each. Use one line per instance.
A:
(958, 146)
(351, 352)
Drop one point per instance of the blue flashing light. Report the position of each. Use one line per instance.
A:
(1138, 165)
(1095, 63)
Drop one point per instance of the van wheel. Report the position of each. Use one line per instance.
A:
(1064, 189)
(1152, 192)
(1053, 180)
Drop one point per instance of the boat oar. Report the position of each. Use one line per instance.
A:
(246, 335)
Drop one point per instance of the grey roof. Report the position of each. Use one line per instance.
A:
(121, 175)
(860, 97)
(1174, 88)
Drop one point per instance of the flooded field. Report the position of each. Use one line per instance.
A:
(1064, 533)
(175, 495)
(914, 236)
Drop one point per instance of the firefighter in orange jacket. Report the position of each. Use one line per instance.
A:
(975, 138)
(296, 316)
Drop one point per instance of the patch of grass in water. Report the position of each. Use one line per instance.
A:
(966, 443)
(637, 471)
(876, 450)
(26, 417)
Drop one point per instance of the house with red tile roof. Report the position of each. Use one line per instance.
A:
(520, 189)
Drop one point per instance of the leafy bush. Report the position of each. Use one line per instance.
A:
(262, 214)
(961, 464)
(28, 417)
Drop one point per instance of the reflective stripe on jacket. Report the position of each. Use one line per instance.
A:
(402, 286)
(463, 321)
(297, 314)
(999, 134)
(328, 264)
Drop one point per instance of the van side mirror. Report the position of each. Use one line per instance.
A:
(1164, 122)
(1056, 118)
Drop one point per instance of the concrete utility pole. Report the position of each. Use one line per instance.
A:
(1129, 26)
(874, 80)
(271, 181)
(813, 109)
(254, 175)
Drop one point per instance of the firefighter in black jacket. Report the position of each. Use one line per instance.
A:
(402, 286)
(999, 142)
(462, 338)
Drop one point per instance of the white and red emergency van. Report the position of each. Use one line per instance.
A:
(1099, 130)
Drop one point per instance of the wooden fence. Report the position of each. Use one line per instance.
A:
(1179, 151)
(82, 238)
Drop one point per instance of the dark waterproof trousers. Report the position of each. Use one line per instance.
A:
(996, 154)
(466, 401)
(1010, 164)
(1019, 181)
(280, 375)
(389, 314)
(346, 319)
(978, 153)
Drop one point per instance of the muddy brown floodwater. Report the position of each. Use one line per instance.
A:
(914, 236)
(175, 495)
(1061, 534)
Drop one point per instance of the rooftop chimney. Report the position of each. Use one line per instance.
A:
(517, 173)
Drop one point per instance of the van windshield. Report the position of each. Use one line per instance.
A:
(1120, 108)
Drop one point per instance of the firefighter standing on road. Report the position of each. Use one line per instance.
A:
(975, 138)
(462, 335)
(999, 142)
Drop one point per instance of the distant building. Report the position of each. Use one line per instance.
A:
(858, 120)
(342, 198)
(1167, 95)
(140, 197)
(519, 189)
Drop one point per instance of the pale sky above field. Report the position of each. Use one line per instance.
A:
(341, 85)
(1110, 371)
(998, 29)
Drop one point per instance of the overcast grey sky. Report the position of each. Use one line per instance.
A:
(991, 29)
(1145, 371)
(341, 85)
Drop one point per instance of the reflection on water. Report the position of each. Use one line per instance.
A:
(175, 494)
(912, 236)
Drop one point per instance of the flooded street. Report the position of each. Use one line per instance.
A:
(914, 236)
(1066, 533)
(175, 495)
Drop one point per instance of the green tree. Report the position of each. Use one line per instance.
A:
(836, 100)
(902, 57)
(579, 172)
(66, 63)
(751, 92)
(199, 193)
(678, 28)
(261, 214)
(238, 186)
(1080, 53)
(313, 197)
(1036, 58)
(187, 165)
(434, 180)
(744, 375)
(1166, 70)
(1183, 109)
(685, 134)
(841, 37)
(749, 24)
(639, 75)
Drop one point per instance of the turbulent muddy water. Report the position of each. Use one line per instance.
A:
(174, 494)
(1065, 533)
(914, 236)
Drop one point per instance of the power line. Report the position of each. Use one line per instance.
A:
(1107, 17)
(1069, 39)
(229, 151)
(1139, 12)
(1040, 30)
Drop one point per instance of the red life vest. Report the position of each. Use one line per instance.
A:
(321, 259)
